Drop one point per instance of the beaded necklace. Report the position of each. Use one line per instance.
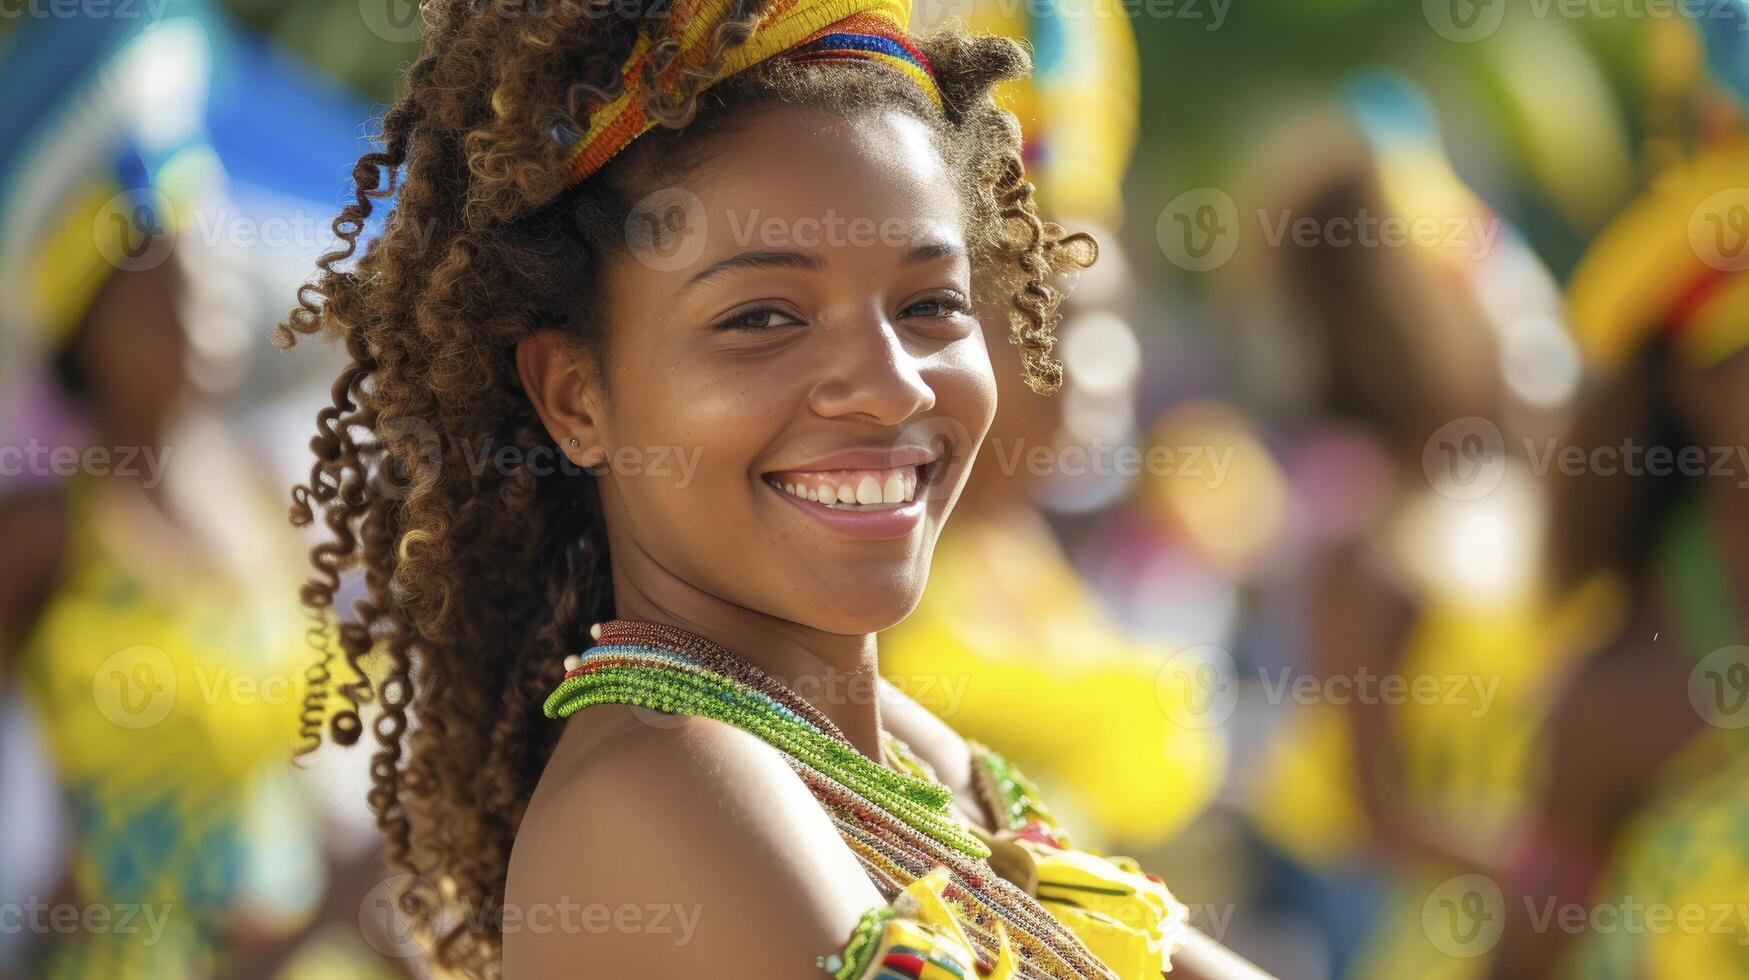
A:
(900, 825)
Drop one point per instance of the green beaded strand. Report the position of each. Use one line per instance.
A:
(923, 805)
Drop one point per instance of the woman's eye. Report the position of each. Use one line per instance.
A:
(761, 318)
(937, 306)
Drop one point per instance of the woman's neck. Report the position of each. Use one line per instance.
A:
(837, 674)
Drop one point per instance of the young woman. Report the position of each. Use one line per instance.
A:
(668, 343)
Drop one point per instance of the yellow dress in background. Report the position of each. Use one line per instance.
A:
(1011, 648)
(1470, 755)
(169, 697)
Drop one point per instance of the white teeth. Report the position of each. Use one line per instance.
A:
(894, 490)
(897, 486)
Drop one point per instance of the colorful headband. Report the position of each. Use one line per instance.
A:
(1675, 262)
(805, 30)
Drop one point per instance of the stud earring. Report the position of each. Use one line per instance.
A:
(574, 442)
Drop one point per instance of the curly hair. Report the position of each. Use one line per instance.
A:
(484, 245)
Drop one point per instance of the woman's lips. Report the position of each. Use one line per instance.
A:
(870, 502)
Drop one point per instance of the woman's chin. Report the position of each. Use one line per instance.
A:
(855, 608)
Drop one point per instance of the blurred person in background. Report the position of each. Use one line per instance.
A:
(1425, 567)
(145, 629)
(1646, 804)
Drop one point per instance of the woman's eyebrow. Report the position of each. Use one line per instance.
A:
(758, 260)
(935, 250)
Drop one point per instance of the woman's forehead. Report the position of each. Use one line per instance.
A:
(809, 185)
(881, 163)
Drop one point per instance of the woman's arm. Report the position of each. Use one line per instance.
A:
(1201, 958)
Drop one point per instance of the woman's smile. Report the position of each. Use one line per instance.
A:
(863, 493)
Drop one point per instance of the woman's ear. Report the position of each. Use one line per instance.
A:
(566, 392)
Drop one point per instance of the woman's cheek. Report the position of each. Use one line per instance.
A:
(969, 381)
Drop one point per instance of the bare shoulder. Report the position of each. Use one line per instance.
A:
(661, 846)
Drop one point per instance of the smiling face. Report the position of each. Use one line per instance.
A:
(794, 382)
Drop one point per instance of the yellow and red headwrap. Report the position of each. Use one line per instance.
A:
(805, 30)
(1676, 262)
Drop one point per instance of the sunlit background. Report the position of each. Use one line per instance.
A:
(1344, 585)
